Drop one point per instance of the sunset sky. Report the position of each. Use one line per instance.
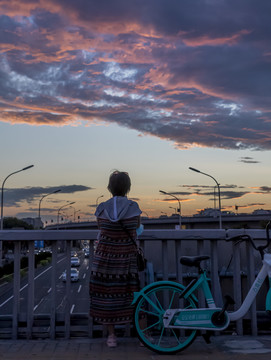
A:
(151, 87)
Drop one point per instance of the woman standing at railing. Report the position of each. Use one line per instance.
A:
(114, 274)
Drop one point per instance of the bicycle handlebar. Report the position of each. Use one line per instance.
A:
(244, 237)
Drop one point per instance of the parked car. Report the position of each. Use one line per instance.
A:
(74, 275)
(75, 261)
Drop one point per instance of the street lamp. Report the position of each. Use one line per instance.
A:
(179, 208)
(58, 212)
(74, 212)
(2, 194)
(2, 204)
(54, 192)
(218, 187)
(171, 207)
(98, 199)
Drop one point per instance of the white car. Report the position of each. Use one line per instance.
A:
(73, 253)
(86, 253)
(74, 275)
(75, 261)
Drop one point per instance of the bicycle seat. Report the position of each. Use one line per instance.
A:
(193, 260)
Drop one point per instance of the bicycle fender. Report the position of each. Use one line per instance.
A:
(148, 287)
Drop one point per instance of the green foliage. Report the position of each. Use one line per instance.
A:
(44, 262)
(6, 269)
(13, 222)
(42, 258)
(23, 272)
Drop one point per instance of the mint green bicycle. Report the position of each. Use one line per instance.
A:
(167, 318)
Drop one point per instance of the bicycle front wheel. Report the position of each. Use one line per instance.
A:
(148, 319)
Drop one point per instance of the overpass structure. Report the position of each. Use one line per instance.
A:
(229, 221)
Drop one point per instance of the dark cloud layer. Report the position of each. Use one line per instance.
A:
(16, 196)
(227, 192)
(197, 73)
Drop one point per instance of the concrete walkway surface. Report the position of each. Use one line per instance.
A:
(221, 347)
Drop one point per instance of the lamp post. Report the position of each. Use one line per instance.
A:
(179, 208)
(171, 207)
(54, 192)
(218, 188)
(74, 212)
(98, 199)
(2, 204)
(58, 212)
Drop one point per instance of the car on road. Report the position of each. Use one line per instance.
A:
(74, 275)
(86, 252)
(75, 261)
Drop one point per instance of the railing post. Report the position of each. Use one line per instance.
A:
(237, 284)
(200, 251)
(53, 291)
(91, 254)
(30, 290)
(250, 280)
(16, 289)
(216, 286)
(68, 291)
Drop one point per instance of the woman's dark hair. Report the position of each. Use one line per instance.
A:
(119, 183)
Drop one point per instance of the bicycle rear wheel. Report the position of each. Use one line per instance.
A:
(148, 319)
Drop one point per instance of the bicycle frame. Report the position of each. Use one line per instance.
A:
(202, 318)
(264, 272)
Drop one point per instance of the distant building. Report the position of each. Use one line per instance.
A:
(209, 212)
(35, 222)
(262, 212)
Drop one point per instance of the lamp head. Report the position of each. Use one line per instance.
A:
(193, 169)
(28, 167)
(162, 192)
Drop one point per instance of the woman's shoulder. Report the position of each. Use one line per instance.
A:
(133, 209)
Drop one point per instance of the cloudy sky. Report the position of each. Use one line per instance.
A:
(146, 86)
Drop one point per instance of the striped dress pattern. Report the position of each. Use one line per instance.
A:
(114, 274)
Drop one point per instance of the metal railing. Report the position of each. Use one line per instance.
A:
(232, 270)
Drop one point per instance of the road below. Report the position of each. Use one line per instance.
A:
(79, 298)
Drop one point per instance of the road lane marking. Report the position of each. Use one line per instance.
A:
(49, 290)
(84, 275)
(79, 289)
(35, 307)
(11, 297)
(72, 308)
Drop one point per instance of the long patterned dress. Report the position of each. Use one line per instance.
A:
(114, 274)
